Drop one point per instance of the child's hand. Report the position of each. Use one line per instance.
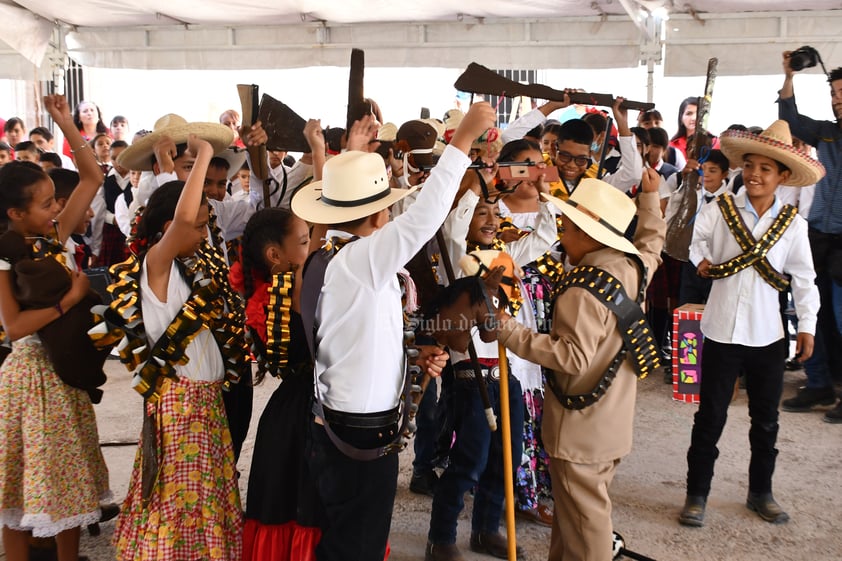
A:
(432, 359)
(196, 145)
(541, 184)
(480, 117)
(79, 286)
(253, 135)
(59, 110)
(621, 114)
(651, 181)
(314, 135)
(165, 151)
(703, 270)
(803, 346)
(362, 134)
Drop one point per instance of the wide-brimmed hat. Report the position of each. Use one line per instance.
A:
(138, 156)
(775, 143)
(601, 210)
(354, 185)
(235, 156)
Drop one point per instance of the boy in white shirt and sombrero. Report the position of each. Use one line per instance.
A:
(353, 316)
(752, 247)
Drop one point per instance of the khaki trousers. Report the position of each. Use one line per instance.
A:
(582, 529)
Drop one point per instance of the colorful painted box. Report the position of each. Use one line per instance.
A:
(687, 342)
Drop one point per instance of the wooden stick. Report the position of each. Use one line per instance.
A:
(508, 468)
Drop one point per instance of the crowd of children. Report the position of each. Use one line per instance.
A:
(215, 288)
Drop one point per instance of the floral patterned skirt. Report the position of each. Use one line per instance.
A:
(532, 479)
(52, 473)
(194, 510)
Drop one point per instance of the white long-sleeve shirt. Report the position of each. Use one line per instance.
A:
(743, 309)
(359, 314)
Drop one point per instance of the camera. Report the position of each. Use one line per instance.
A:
(805, 57)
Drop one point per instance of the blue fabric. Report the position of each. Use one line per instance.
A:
(826, 136)
(476, 460)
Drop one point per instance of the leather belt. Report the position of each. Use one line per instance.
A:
(378, 420)
(491, 373)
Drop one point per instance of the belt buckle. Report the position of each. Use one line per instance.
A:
(493, 373)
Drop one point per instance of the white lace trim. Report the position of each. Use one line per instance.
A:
(42, 525)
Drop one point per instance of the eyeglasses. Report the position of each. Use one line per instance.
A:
(567, 157)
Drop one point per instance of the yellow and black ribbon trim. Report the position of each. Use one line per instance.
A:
(754, 251)
(273, 357)
(638, 339)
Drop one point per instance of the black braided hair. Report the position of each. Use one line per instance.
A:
(266, 226)
(158, 211)
(16, 181)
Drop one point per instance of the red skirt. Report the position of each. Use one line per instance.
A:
(279, 542)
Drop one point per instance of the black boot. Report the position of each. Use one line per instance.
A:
(693, 513)
(807, 398)
(766, 508)
(835, 414)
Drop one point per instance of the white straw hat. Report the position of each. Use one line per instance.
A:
(354, 185)
(138, 156)
(602, 211)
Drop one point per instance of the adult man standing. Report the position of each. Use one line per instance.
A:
(825, 222)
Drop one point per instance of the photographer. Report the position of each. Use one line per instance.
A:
(825, 222)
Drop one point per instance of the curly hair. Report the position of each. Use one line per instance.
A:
(268, 225)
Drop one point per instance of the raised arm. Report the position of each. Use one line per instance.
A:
(90, 174)
(161, 255)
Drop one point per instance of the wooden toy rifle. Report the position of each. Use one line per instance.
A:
(680, 227)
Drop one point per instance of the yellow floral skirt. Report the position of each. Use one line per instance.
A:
(194, 511)
(52, 473)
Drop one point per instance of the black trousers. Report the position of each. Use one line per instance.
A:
(721, 365)
(238, 403)
(357, 496)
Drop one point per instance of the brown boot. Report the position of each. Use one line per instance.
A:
(442, 552)
(493, 544)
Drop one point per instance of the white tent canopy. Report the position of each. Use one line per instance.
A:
(746, 35)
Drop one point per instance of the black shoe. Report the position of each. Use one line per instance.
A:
(424, 483)
(693, 513)
(668, 375)
(793, 364)
(835, 414)
(807, 398)
(494, 544)
(766, 508)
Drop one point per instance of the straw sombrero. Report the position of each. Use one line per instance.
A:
(775, 143)
(138, 156)
(354, 185)
(602, 211)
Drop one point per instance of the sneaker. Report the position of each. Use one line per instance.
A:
(424, 483)
(834, 415)
(807, 398)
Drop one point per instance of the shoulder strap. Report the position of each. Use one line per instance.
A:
(313, 280)
(631, 322)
